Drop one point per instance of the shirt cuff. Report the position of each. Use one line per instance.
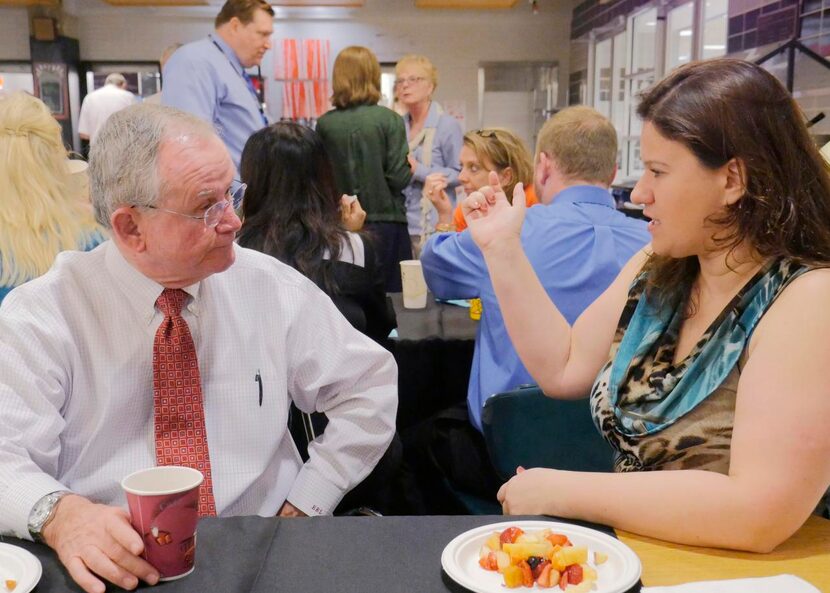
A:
(313, 494)
(18, 500)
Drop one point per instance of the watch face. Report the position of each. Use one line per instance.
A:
(42, 511)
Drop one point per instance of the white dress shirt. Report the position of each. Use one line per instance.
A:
(76, 393)
(98, 105)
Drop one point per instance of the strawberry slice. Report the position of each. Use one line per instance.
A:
(563, 580)
(543, 580)
(509, 535)
(557, 539)
(527, 574)
(575, 574)
(537, 570)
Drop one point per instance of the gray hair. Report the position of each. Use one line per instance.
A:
(168, 52)
(116, 79)
(123, 161)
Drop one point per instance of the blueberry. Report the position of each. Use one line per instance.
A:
(534, 562)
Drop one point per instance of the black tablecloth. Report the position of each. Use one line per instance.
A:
(437, 320)
(434, 352)
(320, 555)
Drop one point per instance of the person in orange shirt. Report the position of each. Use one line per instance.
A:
(490, 149)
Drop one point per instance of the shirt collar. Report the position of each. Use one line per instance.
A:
(229, 53)
(140, 291)
(583, 194)
(431, 121)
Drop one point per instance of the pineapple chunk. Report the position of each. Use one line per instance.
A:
(588, 573)
(512, 576)
(525, 551)
(493, 542)
(570, 555)
(528, 538)
(600, 558)
(582, 587)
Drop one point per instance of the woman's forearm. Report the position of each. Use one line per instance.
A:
(539, 332)
(692, 507)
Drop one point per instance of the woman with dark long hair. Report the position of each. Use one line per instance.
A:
(293, 211)
(709, 353)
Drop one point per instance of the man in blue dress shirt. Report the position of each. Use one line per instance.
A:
(576, 241)
(207, 77)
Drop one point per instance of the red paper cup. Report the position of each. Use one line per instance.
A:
(164, 504)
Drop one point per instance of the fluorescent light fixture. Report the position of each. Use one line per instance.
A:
(714, 47)
(682, 58)
(685, 33)
(650, 24)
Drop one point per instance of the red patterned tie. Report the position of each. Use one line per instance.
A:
(181, 438)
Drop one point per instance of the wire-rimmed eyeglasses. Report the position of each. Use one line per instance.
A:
(409, 80)
(214, 214)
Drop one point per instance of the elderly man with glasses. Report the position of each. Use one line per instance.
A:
(172, 345)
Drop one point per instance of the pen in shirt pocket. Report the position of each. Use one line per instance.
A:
(258, 379)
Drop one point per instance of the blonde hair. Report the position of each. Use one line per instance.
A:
(421, 62)
(38, 217)
(355, 78)
(503, 149)
(582, 143)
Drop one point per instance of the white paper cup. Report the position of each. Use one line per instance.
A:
(414, 285)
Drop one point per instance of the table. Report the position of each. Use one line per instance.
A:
(320, 555)
(403, 555)
(434, 352)
(438, 320)
(806, 554)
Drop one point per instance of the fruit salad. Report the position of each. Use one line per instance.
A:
(543, 559)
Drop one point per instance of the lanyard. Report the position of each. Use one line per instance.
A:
(247, 80)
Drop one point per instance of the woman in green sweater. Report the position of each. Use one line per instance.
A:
(368, 148)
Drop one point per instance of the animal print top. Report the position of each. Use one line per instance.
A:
(700, 439)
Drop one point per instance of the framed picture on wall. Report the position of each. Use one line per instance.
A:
(50, 87)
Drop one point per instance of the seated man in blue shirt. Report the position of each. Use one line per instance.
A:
(207, 77)
(577, 243)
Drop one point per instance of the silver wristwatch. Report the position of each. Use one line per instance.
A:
(42, 512)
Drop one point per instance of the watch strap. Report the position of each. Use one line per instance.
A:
(42, 512)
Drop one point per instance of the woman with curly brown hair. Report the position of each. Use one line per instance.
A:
(718, 366)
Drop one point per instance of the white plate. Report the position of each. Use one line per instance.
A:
(20, 565)
(618, 574)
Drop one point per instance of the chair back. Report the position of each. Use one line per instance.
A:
(525, 428)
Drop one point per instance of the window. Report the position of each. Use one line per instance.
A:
(715, 14)
(602, 77)
(631, 60)
(641, 75)
(679, 35)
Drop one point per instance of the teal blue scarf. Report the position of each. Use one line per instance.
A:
(647, 349)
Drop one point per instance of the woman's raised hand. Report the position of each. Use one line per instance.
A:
(492, 220)
(435, 186)
(351, 213)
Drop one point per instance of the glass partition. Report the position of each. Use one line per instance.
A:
(715, 14)
(679, 21)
